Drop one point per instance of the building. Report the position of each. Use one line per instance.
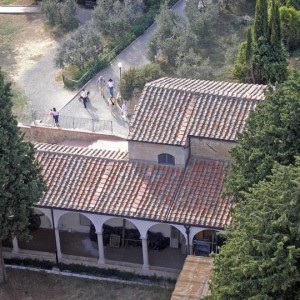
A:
(164, 194)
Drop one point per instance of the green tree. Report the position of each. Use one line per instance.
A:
(81, 46)
(272, 134)
(268, 60)
(243, 63)
(260, 27)
(202, 17)
(58, 13)
(134, 80)
(165, 43)
(114, 18)
(21, 184)
(290, 20)
(291, 3)
(261, 257)
(192, 65)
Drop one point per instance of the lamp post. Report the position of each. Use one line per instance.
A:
(120, 68)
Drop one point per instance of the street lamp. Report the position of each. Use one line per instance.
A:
(120, 68)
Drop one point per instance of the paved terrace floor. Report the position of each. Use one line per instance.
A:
(78, 245)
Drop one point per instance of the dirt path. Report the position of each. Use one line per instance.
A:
(27, 51)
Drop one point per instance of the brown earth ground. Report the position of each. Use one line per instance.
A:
(28, 285)
(23, 40)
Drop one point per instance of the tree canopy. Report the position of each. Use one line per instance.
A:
(261, 258)
(113, 18)
(81, 46)
(21, 182)
(272, 134)
(58, 13)
(268, 60)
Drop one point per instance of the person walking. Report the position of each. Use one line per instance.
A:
(110, 84)
(101, 84)
(55, 114)
(125, 111)
(84, 97)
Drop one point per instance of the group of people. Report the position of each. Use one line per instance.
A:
(84, 98)
(110, 84)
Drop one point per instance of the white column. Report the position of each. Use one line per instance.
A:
(145, 253)
(101, 259)
(15, 245)
(58, 249)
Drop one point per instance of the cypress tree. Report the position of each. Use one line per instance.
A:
(265, 58)
(261, 257)
(260, 28)
(21, 183)
(249, 46)
(275, 36)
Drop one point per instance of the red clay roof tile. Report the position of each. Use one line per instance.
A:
(170, 109)
(131, 189)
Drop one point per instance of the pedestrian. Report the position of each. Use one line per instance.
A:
(110, 84)
(55, 114)
(124, 110)
(84, 97)
(101, 84)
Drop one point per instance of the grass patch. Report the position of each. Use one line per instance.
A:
(24, 284)
(7, 30)
(89, 270)
(17, 2)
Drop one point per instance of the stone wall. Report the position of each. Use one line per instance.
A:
(211, 149)
(148, 152)
(53, 135)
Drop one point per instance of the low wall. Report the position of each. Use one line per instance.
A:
(53, 135)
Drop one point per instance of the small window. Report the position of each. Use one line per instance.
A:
(166, 159)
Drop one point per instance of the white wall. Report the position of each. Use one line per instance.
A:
(71, 222)
(148, 152)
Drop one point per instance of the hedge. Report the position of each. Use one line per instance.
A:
(86, 270)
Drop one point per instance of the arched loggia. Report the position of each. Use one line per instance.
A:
(40, 230)
(73, 229)
(205, 242)
(122, 241)
(167, 246)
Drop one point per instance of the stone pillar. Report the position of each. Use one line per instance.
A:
(191, 250)
(101, 259)
(57, 240)
(15, 245)
(145, 253)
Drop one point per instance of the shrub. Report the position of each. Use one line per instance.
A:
(134, 79)
(81, 269)
(59, 13)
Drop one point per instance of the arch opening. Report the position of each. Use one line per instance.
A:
(206, 242)
(40, 229)
(167, 246)
(74, 231)
(121, 241)
(166, 159)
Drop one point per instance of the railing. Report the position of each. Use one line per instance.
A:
(66, 122)
(99, 64)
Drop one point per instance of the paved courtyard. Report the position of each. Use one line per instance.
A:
(79, 244)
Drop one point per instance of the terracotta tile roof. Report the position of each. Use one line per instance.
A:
(170, 109)
(108, 186)
(120, 155)
(199, 199)
(136, 190)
